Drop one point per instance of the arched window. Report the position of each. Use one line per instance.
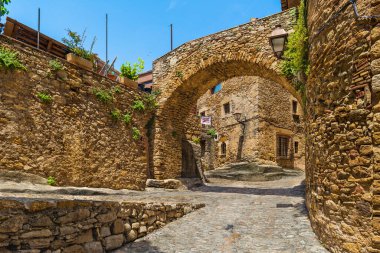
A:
(223, 148)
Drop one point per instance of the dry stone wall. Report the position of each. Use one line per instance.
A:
(343, 134)
(73, 138)
(80, 226)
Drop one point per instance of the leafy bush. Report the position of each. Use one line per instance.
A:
(196, 140)
(115, 114)
(296, 53)
(151, 101)
(212, 132)
(75, 43)
(51, 181)
(127, 118)
(9, 59)
(136, 133)
(179, 74)
(103, 95)
(44, 97)
(55, 65)
(138, 105)
(132, 71)
(116, 89)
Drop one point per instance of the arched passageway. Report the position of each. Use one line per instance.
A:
(185, 74)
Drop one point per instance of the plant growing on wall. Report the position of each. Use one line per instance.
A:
(196, 140)
(127, 118)
(138, 105)
(115, 114)
(212, 132)
(44, 97)
(116, 89)
(75, 43)
(55, 65)
(51, 181)
(103, 95)
(296, 65)
(136, 133)
(132, 71)
(9, 59)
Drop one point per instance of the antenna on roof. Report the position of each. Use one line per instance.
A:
(39, 28)
(171, 37)
(106, 37)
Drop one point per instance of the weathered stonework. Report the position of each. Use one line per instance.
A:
(80, 226)
(74, 138)
(186, 73)
(342, 128)
(267, 109)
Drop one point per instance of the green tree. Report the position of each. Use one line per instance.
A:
(3, 9)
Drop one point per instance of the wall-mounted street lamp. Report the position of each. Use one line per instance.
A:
(277, 40)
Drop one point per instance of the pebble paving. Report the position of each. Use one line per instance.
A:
(261, 217)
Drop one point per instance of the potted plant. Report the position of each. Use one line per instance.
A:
(78, 54)
(130, 73)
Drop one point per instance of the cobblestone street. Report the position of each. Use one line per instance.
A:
(263, 217)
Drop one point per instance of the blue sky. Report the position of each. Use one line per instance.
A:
(139, 28)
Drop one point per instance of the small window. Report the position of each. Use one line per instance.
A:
(216, 88)
(295, 107)
(296, 147)
(203, 114)
(227, 108)
(203, 148)
(282, 146)
(223, 149)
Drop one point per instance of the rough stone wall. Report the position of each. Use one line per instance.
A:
(342, 143)
(186, 73)
(80, 226)
(74, 138)
(267, 107)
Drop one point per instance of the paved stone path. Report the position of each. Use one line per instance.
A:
(265, 217)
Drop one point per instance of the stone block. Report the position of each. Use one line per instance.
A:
(166, 184)
(113, 242)
(36, 234)
(43, 221)
(40, 243)
(118, 227)
(74, 249)
(106, 217)
(85, 237)
(93, 247)
(74, 216)
(105, 231)
(131, 236)
(12, 224)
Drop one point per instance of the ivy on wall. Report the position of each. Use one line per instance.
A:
(296, 65)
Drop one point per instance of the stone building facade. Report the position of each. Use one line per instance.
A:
(271, 128)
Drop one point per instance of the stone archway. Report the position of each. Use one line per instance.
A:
(186, 73)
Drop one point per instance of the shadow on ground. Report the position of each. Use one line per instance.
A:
(296, 191)
(139, 247)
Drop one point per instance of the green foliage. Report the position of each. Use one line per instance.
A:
(212, 132)
(116, 89)
(9, 59)
(136, 133)
(3, 9)
(127, 118)
(296, 53)
(44, 97)
(132, 71)
(196, 140)
(75, 43)
(103, 95)
(138, 105)
(51, 181)
(55, 65)
(179, 74)
(115, 114)
(151, 101)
